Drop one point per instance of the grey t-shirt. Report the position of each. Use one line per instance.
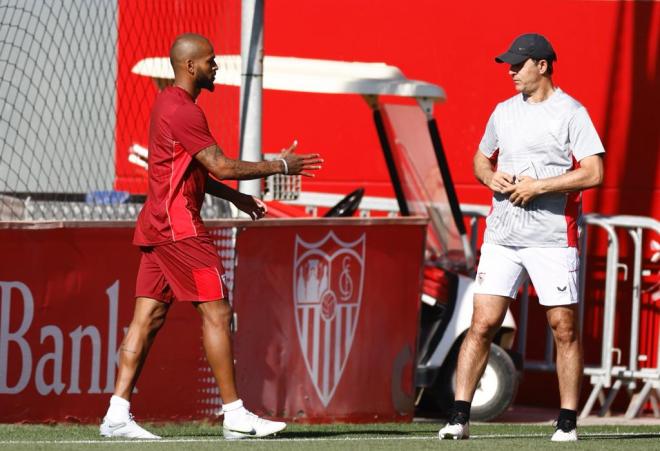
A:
(539, 140)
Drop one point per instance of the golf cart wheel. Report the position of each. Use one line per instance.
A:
(497, 387)
(495, 391)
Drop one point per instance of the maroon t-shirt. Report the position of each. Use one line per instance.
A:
(178, 130)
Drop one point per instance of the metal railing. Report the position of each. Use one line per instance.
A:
(623, 375)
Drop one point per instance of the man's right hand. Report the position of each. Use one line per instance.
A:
(301, 164)
(223, 168)
(484, 170)
(500, 182)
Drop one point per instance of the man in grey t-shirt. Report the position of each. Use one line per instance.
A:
(539, 151)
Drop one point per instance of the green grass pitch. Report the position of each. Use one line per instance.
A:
(399, 437)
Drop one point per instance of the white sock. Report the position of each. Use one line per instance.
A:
(233, 408)
(118, 410)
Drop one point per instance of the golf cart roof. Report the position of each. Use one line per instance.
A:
(310, 75)
(369, 80)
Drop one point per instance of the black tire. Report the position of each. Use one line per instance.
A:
(489, 402)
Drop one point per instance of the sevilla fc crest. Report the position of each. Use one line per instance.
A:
(327, 281)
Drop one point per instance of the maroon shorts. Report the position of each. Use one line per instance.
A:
(186, 270)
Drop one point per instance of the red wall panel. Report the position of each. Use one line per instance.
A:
(607, 60)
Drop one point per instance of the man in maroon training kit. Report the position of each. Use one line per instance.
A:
(179, 260)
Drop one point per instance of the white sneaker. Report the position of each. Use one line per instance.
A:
(455, 431)
(566, 432)
(125, 429)
(247, 425)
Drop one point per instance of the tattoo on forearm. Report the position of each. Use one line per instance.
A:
(227, 168)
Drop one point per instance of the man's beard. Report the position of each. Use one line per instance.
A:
(207, 83)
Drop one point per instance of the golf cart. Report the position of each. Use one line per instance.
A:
(422, 183)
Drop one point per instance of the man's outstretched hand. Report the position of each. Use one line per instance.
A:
(301, 164)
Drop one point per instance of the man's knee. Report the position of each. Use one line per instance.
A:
(149, 321)
(565, 333)
(488, 314)
(217, 315)
(563, 324)
(483, 328)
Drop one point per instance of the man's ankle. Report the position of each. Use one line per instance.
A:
(460, 412)
(119, 409)
(567, 416)
(233, 408)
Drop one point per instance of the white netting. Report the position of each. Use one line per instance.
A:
(71, 110)
(281, 187)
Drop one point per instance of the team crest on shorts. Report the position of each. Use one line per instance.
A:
(327, 278)
(480, 277)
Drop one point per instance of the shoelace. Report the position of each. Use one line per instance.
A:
(564, 424)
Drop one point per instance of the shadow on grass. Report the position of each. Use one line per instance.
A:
(614, 436)
(582, 437)
(308, 434)
(304, 434)
(349, 433)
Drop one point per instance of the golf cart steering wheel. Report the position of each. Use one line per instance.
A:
(347, 206)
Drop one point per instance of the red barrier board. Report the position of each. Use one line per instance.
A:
(66, 299)
(328, 316)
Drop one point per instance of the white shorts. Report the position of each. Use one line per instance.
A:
(552, 270)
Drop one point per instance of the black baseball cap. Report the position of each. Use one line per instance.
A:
(530, 45)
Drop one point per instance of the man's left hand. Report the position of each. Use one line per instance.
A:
(523, 191)
(254, 207)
